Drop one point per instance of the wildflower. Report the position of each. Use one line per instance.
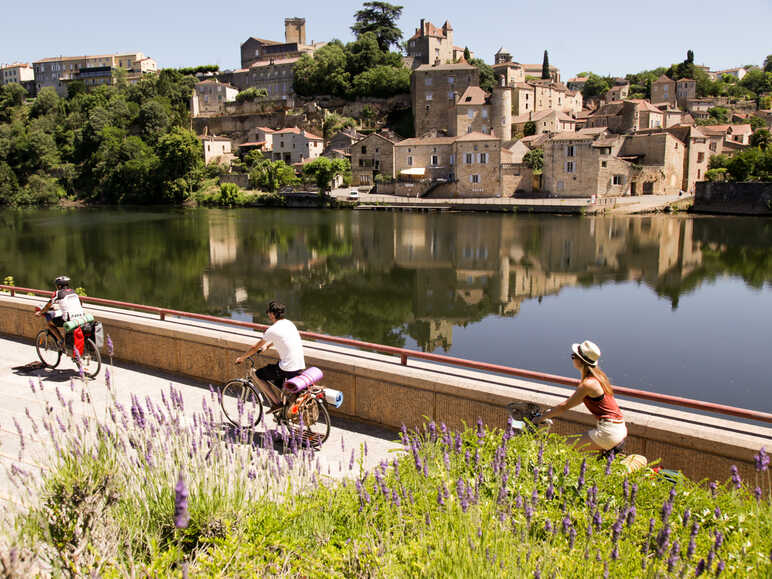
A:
(565, 469)
(720, 568)
(181, 517)
(535, 497)
(540, 456)
(609, 460)
(109, 346)
(631, 516)
(440, 498)
(432, 431)
(667, 508)
(663, 540)
(480, 430)
(548, 526)
(626, 488)
(757, 493)
(614, 554)
(674, 557)
(700, 569)
(717, 513)
(428, 520)
(713, 486)
(719, 540)
(762, 459)
(32, 385)
(550, 492)
(517, 467)
(582, 471)
(633, 492)
(571, 537)
(736, 480)
(597, 519)
(395, 498)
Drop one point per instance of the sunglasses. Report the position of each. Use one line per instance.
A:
(575, 357)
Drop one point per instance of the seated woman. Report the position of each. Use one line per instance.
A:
(594, 390)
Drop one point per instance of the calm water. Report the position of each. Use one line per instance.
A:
(678, 304)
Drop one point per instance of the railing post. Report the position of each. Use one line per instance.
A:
(403, 358)
(163, 315)
(13, 292)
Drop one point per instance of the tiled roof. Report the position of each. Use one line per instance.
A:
(274, 61)
(473, 95)
(741, 129)
(664, 78)
(477, 136)
(265, 129)
(297, 131)
(261, 40)
(252, 144)
(535, 141)
(714, 129)
(426, 141)
(644, 105)
(571, 136)
(447, 66)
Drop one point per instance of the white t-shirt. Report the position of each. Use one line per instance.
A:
(286, 339)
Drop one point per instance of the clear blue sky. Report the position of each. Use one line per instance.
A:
(603, 36)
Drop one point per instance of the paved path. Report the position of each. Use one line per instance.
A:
(17, 398)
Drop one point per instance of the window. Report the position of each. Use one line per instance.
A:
(452, 160)
(619, 180)
(570, 166)
(469, 158)
(364, 150)
(435, 160)
(483, 158)
(428, 108)
(428, 81)
(451, 80)
(428, 96)
(561, 186)
(474, 178)
(451, 95)
(410, 161)
(700, 157)
(364, 179)
(604, 163)
(485, 113)
(570, 151)
(470, 114)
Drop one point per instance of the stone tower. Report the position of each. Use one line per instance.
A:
(295, 30)
(502, 111)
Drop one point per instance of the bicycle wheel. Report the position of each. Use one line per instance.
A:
(241, 404)
(47, 347)
(91, 360)
(316, 420)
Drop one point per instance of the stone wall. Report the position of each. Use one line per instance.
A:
(378, 389)
(736, 198)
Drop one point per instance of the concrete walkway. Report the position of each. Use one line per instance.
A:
(17, 398)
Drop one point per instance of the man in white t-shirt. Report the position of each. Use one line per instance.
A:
(285, 339)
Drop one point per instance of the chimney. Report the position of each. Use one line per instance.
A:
(423, 29)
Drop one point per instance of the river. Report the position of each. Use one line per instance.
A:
(678, 304)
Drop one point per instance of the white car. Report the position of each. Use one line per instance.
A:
(353, 195)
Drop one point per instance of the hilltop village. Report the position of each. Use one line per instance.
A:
(450, 125)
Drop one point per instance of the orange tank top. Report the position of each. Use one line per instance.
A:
(603, 407)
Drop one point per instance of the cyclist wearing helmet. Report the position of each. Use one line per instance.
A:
(65, 304)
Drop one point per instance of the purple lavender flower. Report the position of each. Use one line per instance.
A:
(609, 460)
(109, 346)
(181, 517)
(440, 498)
(566, 524)
(571, 537)
(700, 569)
(717, 513)
(631, 516)
(614, 554)
(597, 519)
(626, 488)
(634, 492)
(713, 486)
(762, 459)
(674, 557)
(757, 493)
(566, 469)
(535, 497)
(719, 540)
(663, 540)
(32, 385)
(446, 460)
(736, 480)
(432, 431)
(667, 508)
(480, 430)
(428, 520)
(548, 526)
(582, 471)
(550, 492)
(517, 467)
(720, 568)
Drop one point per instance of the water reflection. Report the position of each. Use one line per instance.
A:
(385, 277)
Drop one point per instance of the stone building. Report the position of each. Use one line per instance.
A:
(696, 158)
(294, 45)
(93, 70)
(431, 44)
(216, 149)
(504, 67)
(626, 116)
(534, 70)
(663, 90)
(540, 95)
(545, 122)
(210, 96)
(478, 111)
(17, 72)
(294, 145)
(686, 89)
(619, 92)
(434, 90)
(370, 157)
(478, 171)
(339, 145)
(583, 164)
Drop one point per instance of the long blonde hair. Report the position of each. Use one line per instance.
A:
(599, 375)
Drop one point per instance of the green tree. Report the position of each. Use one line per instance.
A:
(756, 122)
(719, 114)
(333, 123)
(768, 63)
(323, 73)
(690, 57)
(154, 118)
(545, 67)
(757, 81)
(467, 54)
(529, 129)
(324, 170)
(12, 96)
(9, 185)
(760, 138)
(382, 81)
(250, 94)
(270, 176)
(46, 102)
(595, 86)
(534, 160)
(180, 155)
(487, 77)
(381, 19)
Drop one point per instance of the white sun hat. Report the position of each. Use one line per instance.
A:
(587, 351)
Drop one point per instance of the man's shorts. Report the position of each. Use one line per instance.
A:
(55, 318)
(607, 434)
(275, 375)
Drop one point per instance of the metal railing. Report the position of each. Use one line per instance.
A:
(405, 355)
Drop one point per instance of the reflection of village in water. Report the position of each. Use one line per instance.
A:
(382, 277)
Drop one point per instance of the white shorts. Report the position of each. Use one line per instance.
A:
(607, 434)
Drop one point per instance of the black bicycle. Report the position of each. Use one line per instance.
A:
(242, 403)
(50, 349)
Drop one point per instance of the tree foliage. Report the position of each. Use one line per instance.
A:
(380, 19)
(529, 129)
(534, 160)
(117, 144)
(250, 94)
(357, 69)
(323, 170)
(595, 86)
(545, 67)
(487, 76)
